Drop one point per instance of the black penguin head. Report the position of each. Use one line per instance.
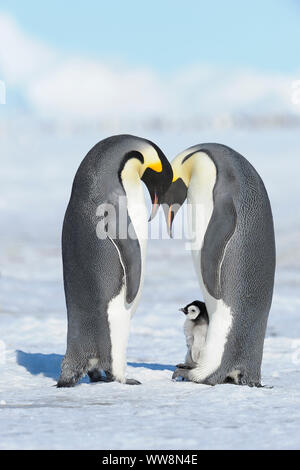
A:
(182, 167)
(173, 200)
(195, 310)
(154, 168)
(158, 179)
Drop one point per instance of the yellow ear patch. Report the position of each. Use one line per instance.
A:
(156, 166)
(183, 168)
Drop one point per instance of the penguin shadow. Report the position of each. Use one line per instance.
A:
(49, 365)
(152, 366)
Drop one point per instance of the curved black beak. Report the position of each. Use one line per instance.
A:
(155, 207)
(172, 201)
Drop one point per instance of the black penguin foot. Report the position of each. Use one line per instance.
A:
(250, 383)
(132, 382)
(95, 376)
(184, 373)
(110, 378)
(259, 385)
(68, 381)
(183, 366)
(63, 384)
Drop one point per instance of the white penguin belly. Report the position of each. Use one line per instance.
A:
(137, 211)
(200, 209)
(119, 313)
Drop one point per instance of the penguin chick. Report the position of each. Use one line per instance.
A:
(195, 330)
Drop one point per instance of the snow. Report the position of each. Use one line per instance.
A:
(36, 174)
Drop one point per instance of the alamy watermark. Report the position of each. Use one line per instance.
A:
(2, 92)
(113, 222)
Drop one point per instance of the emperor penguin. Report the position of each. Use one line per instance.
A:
(103, 249)
(195, 330)
(233, 249)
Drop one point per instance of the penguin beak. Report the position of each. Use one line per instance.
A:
(170, 219)
(158, 182)
(183, 310)
(155, 207)
(172, 201)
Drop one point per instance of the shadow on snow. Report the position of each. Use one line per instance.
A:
(49, 364)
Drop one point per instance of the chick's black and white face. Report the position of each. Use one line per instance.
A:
(191, 311)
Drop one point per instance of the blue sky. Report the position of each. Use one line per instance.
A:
(91, 59)
(168, 34)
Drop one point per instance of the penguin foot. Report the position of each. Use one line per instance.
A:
(95, 376)
(183, 366)
(179, 372)
(243, 381)
(63, 384)
(72, 370)
(259, 385)
(132, 382)
(68, 381)
(108, 377)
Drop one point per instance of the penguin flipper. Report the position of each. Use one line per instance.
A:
(120, 231)
(219, 231)
(129, 251)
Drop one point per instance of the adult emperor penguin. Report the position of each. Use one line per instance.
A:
(104, 268)
(233, 250)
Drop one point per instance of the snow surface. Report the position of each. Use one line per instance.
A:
(36, 173)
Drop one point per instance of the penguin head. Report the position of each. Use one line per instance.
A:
(182, 167)
(153, 168)
(158, 178)
(195, 310)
